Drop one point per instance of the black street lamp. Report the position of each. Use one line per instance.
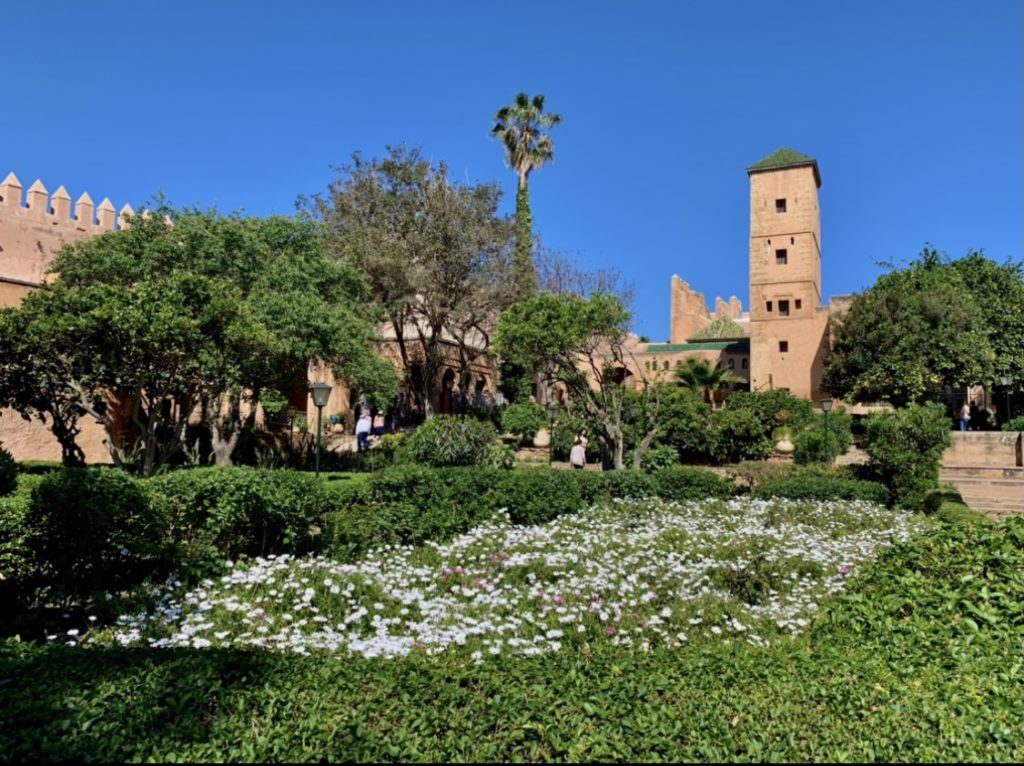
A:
(1007, 380)
(321, 393)
(826, 405)
(552, 409)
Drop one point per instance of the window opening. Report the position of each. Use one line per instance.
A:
(780, 206)
(781, 257)
(783, 346)
(783, 308)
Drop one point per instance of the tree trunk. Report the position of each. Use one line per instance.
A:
(65, 431)
(525, 272)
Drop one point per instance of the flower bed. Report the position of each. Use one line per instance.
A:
(637, 574)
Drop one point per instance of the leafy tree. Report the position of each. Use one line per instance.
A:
(914, 333)
(905, 449)
(521, 129)
(584, 344)
(684, 422)
(200, 316)
(998, 291)
(523, 420)
(435, 253)
(703, 376)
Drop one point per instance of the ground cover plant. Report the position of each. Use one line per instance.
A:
(918, 660)
(645, 573)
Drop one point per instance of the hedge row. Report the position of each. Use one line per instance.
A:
(82, 532)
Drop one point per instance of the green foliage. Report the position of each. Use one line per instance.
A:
(523, 129)
(751, 474)
(905, 448)
(681, 483)
(931, 326)
(16, 560)
(811, 444)
(684, 422)
(538, 495)
(700, 375)
(8, 473)
(624, 483)
(523, 420)
(433, 251)
(221, 513)
(567, 427)
(657, 458)
(91, 530)
(739, 434)
(500, 456)
(1016, 424)
(918, 661)
(823, 488)
(445, 440)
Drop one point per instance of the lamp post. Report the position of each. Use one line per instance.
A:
(552, 409)
(1007, 380)
(321, 393)
(826, 405)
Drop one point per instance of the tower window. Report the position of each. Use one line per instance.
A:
(780, 206)
(792, 240)
(768, 306)
(797, 304)
(781, 257)
(783, 308)
(783, 346)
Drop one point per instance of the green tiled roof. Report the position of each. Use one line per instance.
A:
(723, 328)
(735, 347)
(785, 158)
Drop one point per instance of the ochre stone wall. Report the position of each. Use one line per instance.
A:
(997, 449)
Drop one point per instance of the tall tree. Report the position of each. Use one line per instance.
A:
(913, 334)
(584, 344)
(202, 316)
(521, 129)
(435, 253)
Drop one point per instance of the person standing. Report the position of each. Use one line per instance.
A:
(965, 416)
(363, 426)
(378, 424)
(578, 455)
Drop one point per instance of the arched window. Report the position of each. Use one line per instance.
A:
(732, 364)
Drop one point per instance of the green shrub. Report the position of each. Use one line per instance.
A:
(445, 440)
(91, 529)
(656, 458)
(739, 434)
(1016, 424)
(8, 473)
(905, 448)
(810, 443)
(684, 420)
(16, 561)
(626, 483)
(823, 488)
(538, 495)
(224, 512)
(500, 456)
(523, 420)
(936, 497)
(751, 473)
(682, 483)
(37, 467)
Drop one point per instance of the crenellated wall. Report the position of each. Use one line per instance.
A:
(35, 224)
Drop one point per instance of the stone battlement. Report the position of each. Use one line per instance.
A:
(39, 205)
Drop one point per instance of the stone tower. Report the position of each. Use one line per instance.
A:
(788, 326)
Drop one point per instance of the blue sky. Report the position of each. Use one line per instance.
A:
(913, 109)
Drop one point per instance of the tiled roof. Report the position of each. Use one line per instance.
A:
(735, 347)
(723, 328)
(785, 158)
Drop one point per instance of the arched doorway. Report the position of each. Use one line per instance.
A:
(446, 405)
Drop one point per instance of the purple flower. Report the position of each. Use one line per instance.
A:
(610, 630)
(844, 570)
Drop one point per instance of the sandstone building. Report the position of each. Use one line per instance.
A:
(780, 343)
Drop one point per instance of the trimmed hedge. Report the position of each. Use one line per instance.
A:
(223, 512)
(823, 488)
(91, 529)
(681, 484)
(8, 473)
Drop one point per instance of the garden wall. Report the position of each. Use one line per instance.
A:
(998, 449)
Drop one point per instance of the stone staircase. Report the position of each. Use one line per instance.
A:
(996, 492)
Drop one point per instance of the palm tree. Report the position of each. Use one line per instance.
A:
(521, 129)
(700, 375)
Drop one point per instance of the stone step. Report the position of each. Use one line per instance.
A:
(952, 472)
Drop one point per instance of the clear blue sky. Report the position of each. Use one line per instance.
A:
(913, 109)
